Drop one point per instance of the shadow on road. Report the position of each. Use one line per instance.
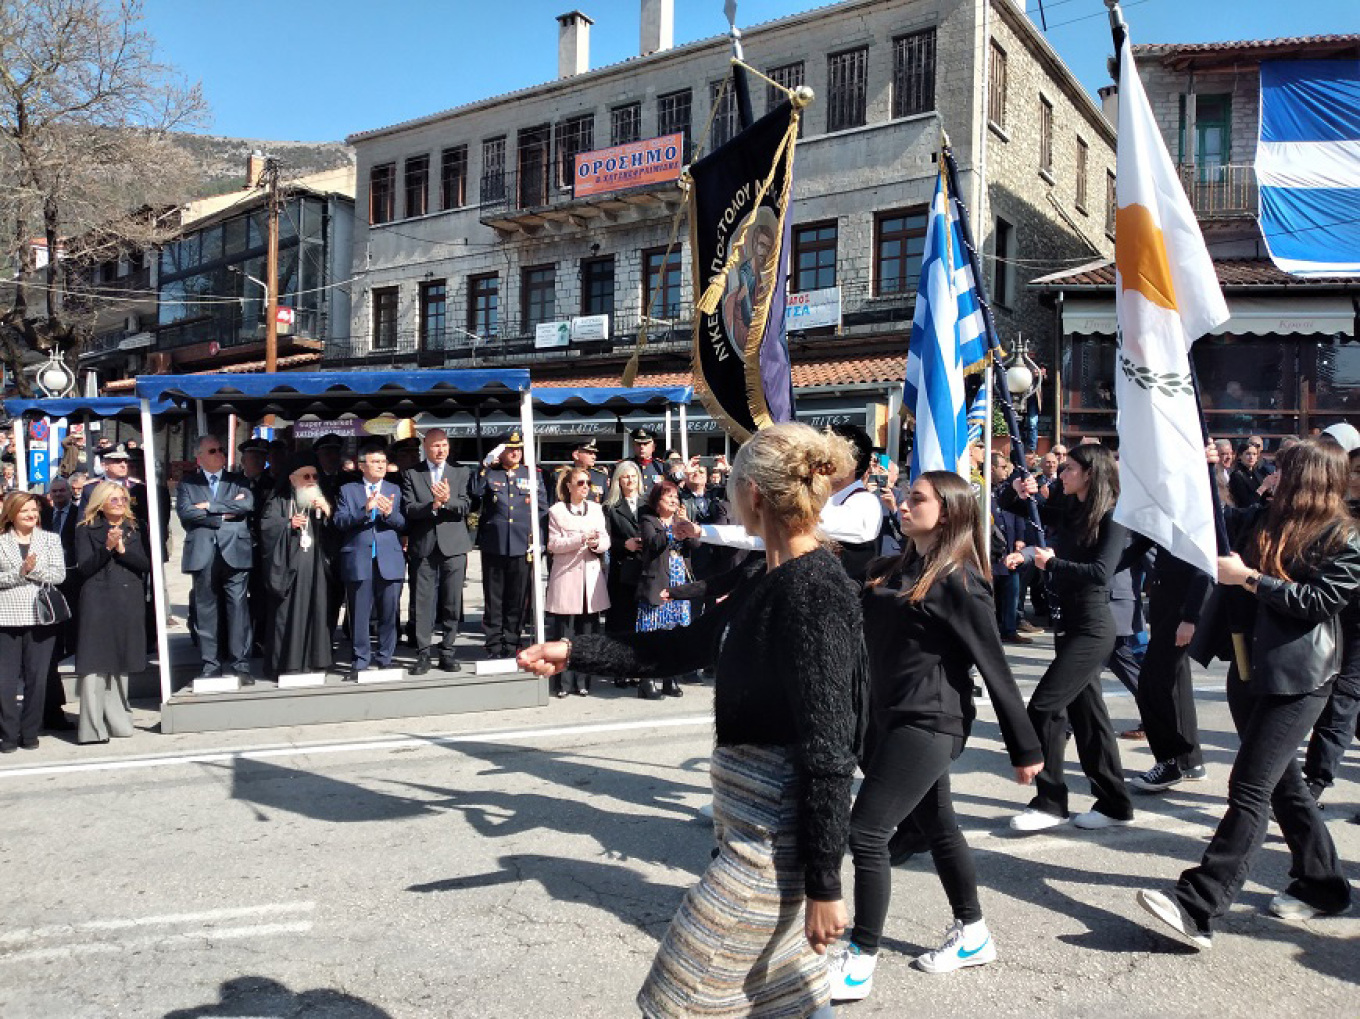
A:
(261, 996)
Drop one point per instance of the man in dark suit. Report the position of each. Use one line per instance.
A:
(368, 516)
(436, 498)
(215, 506)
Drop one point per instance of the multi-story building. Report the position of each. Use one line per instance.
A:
(471, 235)
(1286, 362)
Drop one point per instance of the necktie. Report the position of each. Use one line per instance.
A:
(212, 484)
(373, 516)
(437, 472)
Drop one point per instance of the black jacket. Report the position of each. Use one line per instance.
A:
(1170, 574)
(1078, 571)
(786, 644)
(654, 576)
(445, 529)
(625, 567)
(1243, 483)
(920, 654)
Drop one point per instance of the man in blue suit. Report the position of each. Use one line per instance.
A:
(368, 515)
(215, 506)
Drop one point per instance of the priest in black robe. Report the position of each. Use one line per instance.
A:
(295, 521)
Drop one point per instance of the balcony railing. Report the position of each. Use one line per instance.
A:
(1220, 191)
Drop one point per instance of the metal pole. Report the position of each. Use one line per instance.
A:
(20, 456)
(526, 423)
(200, 418)
(684, 436)
(668, 445)
(231, 442)
(740, 85)
(153, 516)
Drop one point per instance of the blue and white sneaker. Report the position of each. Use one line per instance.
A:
(964, 945)
(852, 973)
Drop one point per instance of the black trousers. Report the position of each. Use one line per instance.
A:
(569, 627)
(437, 588)
(1166, 694)
(1266, 777)
(217, 587)
(1070, 691)
(1126, 661)
(505, 582)
(907, 776)
(25, 652)
(367, 597)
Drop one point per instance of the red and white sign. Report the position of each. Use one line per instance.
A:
(284, 317)
(653, 161)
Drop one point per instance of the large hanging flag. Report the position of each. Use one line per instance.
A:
(740, 231)
(1308, 165)
(1166, 297)
(933, 392)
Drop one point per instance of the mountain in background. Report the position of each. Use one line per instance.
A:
(222, 161)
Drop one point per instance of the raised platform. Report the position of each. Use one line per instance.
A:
(264, 705)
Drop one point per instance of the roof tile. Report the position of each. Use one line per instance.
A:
(1232, 272)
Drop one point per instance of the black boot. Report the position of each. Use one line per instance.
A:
(671, 687)
(649, 690)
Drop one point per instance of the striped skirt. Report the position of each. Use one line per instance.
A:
(736, 946)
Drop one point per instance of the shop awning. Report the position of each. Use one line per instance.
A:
(1285, 315)
(612, 397)
(95, 407)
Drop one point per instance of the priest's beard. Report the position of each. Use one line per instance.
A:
(309, 497)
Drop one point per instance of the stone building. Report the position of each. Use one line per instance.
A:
(470, 235)
(1285, 363)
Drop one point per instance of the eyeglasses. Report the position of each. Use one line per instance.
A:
(583, 483)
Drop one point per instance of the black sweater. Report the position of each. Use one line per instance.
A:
(785, 643)
(1077, 571)
(920, 654)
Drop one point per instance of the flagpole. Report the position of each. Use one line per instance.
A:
(740, 85)
(1119, 29)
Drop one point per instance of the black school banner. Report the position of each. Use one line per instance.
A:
(740, 239)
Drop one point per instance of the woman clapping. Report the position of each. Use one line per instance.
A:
(578, 538)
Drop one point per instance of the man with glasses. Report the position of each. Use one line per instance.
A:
(372, 565)
(215, 507)
(436, 499)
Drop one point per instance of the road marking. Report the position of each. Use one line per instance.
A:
(156, 941)
(401, 742)
(208, 916)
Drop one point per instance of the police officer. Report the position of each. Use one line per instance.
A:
(653, 470)
(504, 537)
(583, 457)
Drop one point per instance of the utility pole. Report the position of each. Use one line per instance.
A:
(271, 326)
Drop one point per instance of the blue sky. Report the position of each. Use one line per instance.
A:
(316, 70)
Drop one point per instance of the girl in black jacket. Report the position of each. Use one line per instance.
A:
(1086, 547)
(1275, 616)
(928, 618)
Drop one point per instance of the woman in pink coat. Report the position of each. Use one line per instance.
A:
(577, 586)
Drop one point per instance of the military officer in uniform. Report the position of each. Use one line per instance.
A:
(653, 470)
(504, 536)
(583, 456)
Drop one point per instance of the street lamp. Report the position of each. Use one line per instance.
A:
(54, 378)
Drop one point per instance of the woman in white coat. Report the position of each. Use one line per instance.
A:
(578, 538)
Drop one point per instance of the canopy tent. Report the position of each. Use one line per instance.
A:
(559, 399)
(127, 408)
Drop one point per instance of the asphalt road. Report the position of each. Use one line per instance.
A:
(525, 864)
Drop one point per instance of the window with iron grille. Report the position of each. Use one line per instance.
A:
(382, 193)
(433, 314)
(673, 113)
(914, 73)
(493, 169)
(453, 177)
(1083, 158)
(723, 96)
(385, 318)
(534, 162)
(899, 241)
(597, 286)
(484, 298)
(574, 136)
(847, 89)
(538, 296)
(1111, 200)
(814, 256)
(1045, 136)
(417, 186)
(661, 272)
(996, 87)
(625, 124)
(1003, 271)
(791, 76)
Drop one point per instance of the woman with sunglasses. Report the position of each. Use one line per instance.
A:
(578, 538)
(112, 556)
(294, 530)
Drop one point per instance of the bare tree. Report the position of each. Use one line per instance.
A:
(86, 164)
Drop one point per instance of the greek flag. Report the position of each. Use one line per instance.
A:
(977, 415)
(933, 390)
(1308, 165)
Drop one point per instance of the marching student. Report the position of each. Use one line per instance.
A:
(1276, 618)
(928, 619)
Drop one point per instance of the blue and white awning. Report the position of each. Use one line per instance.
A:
(1308, 165)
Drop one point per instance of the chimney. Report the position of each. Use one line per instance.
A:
(573, 44)
(1109, 103)
(254, 169)
(658, 25)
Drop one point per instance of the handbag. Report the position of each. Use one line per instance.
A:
(50, 606)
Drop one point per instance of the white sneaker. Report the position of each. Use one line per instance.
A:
(852, 974)
(1035, 820)
(1169, 911)
(1094, 820)
(964, 945)
(1286, 907)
